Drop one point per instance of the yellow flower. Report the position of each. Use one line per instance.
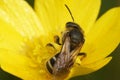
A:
(23, 36)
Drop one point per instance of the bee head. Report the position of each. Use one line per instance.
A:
(73, 25)
(75, 34)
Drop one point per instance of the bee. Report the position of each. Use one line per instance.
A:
(72, 42)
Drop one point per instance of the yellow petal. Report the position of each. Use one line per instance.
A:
(53, 14)
(19, 64)
(84, 12)
(104, 37)
(78, 70)
(9, 37)
(21, 16)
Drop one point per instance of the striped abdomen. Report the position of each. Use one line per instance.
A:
(51, 63)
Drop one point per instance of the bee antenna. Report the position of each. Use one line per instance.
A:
(69, 12)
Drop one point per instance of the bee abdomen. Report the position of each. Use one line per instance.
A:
(51, 63)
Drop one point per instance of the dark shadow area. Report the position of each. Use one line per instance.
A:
(108, 4)
(7, 76)
(31, 2)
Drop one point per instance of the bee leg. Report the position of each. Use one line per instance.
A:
(82, 54)
(57, 39)
(73, 58)
(50, 45)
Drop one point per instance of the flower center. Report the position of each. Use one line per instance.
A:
(39, 54)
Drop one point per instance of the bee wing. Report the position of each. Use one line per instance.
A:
(63, 58)
(75, 52)
(65, 51)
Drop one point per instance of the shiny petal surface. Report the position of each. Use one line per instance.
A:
(9, 38)
(53, 15)
(104, 37)
(84, 12)
(21, 16)
(24, 55)
(88, 68)
(18, 22)
(19, 65)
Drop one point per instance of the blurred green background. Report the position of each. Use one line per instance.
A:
(109, 72)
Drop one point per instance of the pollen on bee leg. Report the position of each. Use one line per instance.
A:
(80, 57)
(78, 61)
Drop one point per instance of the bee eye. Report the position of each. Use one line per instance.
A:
(76, 36)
